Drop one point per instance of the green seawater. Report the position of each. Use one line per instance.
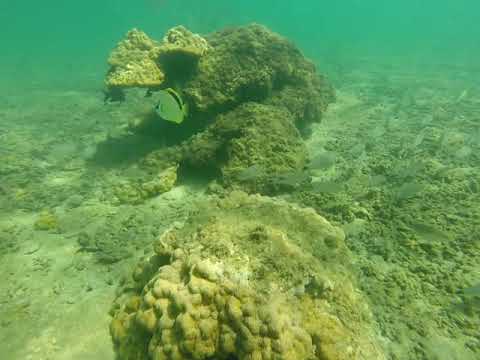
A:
(62, 40)
(396, 156)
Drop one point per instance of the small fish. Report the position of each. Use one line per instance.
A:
(472, 291)
(291, 179)
(377, 180)
(429, 232)
(468, 306)
(409, 190)
(327, 187)
(250, 173)
(323, 161)
(170, 106)
(410, 170)
(355, 228)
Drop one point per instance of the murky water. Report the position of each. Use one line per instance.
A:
(382, 141)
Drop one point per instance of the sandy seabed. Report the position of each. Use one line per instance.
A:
(406, 147)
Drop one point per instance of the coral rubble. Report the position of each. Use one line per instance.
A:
(133, 193)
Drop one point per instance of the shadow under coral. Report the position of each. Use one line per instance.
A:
(124, 150)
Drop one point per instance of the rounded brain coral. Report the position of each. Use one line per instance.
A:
(188, 303)
(191, 311)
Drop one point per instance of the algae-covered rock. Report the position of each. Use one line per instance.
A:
(247, 277)
(252, 134)
(138, 192)
(179, 53)
(250, 95)
(133, 62)
(139, 61)
(252, 63)
(163, 182)
(223, 70)
(180, 40)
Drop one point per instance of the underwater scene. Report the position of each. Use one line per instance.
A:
(240, 180)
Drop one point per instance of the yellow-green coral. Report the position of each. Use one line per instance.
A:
(136, 61)
(142, 73)
(133, 62)
(180, 39)
(207, 315)
(248, 278)
(127, 193)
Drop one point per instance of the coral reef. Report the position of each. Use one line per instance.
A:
(252, 63)
(247, 277)
(252, 134)
(139, 61)
(251, 95)
(179, 40)
(132, 62)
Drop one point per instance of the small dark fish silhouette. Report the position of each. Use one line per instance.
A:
(377, 180)
(472, 291)
(409, 190)
(291, 179)
(323, 161)
(429, 232)
(327, 187)
(250, 173)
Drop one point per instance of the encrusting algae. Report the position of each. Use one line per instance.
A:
(133, 62)
(251, 97)
(139, 61)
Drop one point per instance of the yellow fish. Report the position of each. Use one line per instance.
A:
(170, 106)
